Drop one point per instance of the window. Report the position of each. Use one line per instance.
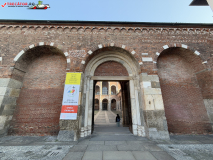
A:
(113, 90)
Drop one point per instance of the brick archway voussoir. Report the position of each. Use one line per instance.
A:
(52, 44)
(166, 46)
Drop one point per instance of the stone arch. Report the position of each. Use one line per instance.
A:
(181, 73)
(128, 61)
(178, 45)
(116, 54)
(51, 44)
(107, 47)
(42, 71)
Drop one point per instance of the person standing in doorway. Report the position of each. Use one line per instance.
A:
(117, 120)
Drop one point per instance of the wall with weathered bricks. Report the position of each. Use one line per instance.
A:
(39, 104)
(81, 41)
(111, 69)
(183, 101)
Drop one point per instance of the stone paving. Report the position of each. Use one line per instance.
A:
(108, 142)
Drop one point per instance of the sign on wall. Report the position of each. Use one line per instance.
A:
(71, 96)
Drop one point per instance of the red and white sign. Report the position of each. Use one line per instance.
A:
(69, 112)
(70, 102)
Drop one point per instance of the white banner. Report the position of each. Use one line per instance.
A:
(71, 94)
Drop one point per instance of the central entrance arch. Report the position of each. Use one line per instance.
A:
(104, 104)
(127, 61)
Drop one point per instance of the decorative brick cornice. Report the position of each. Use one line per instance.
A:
(115, 30)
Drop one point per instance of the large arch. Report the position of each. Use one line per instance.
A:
(42, 71)
(128, 61)
(180, 72)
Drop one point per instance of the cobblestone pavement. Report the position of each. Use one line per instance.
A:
(108, 142)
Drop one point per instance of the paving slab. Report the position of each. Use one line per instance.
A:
(113, 138)
(140, 142)
(160, 155)
(46, 152)
(189, 151)
(78, 148)
(152, 147)
(118, 155)
(101, 148)
(115, 143)
(133, 147)
(96, 142)
(92, 155)
(74, 156)
(143, 155)
(207, 141)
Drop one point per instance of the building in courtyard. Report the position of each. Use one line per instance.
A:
(160, 75)
(108, 96)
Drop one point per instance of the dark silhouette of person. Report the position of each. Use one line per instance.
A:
(117, 120)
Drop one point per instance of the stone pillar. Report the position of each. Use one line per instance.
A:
(109, 97)
(134, 108)
(100, 102)
(109, 93)
(71, 130)
(9, 92)
(101, 88)
(154, 113)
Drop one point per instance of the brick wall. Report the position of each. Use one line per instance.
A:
(39, 104)
(182, 95)
(111, 68)
(78, 39)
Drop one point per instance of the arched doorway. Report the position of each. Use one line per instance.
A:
(37, 112)
(97, 69)
(113, 104)
(96, 106)
(104, 104)
(178, 70)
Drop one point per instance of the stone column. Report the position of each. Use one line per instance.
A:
(133, 108)
(109, 89)
(109, 96)
(154, 108)
(9, 92)
(100, 101)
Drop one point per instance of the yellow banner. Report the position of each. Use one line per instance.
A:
(73, 78)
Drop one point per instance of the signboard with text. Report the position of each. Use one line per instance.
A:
(71, 96)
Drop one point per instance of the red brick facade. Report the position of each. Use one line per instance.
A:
(111, 68)
(183, 101)
(181, 54)
(39, 103)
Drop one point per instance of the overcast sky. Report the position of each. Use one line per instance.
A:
(112, 10)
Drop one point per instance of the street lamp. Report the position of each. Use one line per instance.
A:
(202, 3)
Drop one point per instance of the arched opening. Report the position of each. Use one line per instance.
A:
(182, 96)
(97, 90)
(113, 104)
(105, 104)
(113, 90)
(96, 106)
(115, 65)
(42, 70)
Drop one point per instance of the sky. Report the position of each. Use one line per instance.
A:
(112, 10)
